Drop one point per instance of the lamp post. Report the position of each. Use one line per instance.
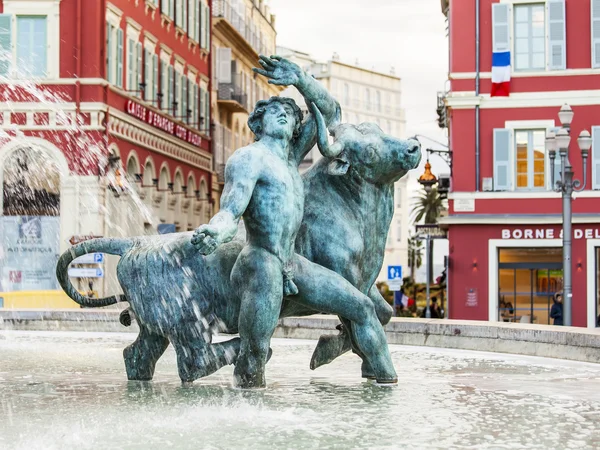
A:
(567, 185)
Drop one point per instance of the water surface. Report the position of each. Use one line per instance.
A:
(65, 390)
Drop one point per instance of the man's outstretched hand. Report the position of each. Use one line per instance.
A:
(280, 71)
(206, 239)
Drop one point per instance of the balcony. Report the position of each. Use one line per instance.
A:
(231, 97)
(222, 11)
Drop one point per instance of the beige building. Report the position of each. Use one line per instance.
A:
(365, 96)
(242, 30)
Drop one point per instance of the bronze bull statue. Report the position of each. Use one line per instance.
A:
(182, 297)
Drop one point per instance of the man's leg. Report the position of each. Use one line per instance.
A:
(325, 290)
(257, 277)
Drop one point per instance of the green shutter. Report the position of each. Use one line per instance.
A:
(109, 59)
(197, 21)
(502, 148)
(155, 87)
(119, 81)
(140, 65)
(170, 89)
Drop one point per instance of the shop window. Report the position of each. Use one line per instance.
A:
(598, 287)
(528, 278)
(30, 223)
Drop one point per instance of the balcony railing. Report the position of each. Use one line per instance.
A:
(222, 8)
(233, 91)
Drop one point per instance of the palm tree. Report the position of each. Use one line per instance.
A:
(427, 208)
(415, 255)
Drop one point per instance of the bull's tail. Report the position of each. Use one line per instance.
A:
(111, 246)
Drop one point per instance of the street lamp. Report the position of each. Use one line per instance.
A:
(567, 185)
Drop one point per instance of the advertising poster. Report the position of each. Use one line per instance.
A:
(29, 249)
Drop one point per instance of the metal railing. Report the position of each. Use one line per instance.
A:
(222, 8)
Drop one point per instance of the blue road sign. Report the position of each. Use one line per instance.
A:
(394, 272)
(98, 257)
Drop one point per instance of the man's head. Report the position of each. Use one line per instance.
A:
(278, 117)
(558, 297)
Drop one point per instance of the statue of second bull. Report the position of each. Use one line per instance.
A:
(182, 297)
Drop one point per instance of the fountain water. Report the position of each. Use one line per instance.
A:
(62, 390)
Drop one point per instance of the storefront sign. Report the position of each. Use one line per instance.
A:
(548, 233)
(162, 123)
(29, 249)
(433, 231)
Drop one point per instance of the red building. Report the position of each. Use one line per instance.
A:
(504, 220)
(95, 94)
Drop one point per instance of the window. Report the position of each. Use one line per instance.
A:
(168, 8)
(378, 101)
(528, 278)
(398, 197)
(31, 46)
(134, 64)
(150, 75)
(114, 54)
(530, 41)
(204, 23)
(530, 159)
(165, 75)
(399, 230)
(368, 99)
(346, 94)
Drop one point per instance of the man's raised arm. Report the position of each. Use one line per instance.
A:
(240, 179)
(285, 73)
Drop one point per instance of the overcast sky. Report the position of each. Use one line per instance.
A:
(409, 35)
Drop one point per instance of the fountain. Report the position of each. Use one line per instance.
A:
(67, 389)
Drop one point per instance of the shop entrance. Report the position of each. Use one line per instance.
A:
(527, 281)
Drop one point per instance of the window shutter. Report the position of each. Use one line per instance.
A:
(140, 65)
(170, 89)
(186, 87)
(502, 149)
(172, 9)
(207, 112)
(197, 21)
(500, 27)
(185, 13)
(595, 158)
(155, 89)
(109, 56)
(557, 163)
(556, 35)
(206, 27)
(129, 67)
(202, 25)
(202, 108)
(224, 69)
(147, 80)
(119, 81)
(595, 33)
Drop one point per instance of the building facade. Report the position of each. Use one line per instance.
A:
(504, 222)
(365, 96)
(105, 131)
(242, 30)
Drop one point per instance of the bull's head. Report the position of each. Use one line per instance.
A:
(366, 149)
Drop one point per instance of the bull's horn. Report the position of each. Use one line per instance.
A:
(322, 142)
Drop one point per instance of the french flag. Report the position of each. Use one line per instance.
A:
(500, 74)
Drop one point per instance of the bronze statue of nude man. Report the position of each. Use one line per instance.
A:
(263, 184)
